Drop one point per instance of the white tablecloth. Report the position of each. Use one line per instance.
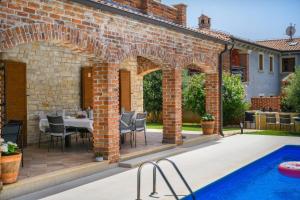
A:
(70, 122)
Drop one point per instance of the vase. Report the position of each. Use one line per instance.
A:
(208, 127)
(10, 166)
(99, 159)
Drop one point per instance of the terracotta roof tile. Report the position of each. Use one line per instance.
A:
(217, 34)
(282, 44)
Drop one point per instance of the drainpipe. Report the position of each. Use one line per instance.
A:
(221, 88)
(230, 58)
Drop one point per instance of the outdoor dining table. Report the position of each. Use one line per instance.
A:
(69, 122)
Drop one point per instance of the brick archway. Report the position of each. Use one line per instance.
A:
(208, 66)
(107, 57)
(77, 40)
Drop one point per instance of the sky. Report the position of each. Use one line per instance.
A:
(248, 19)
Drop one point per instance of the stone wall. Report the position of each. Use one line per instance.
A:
(53, 80)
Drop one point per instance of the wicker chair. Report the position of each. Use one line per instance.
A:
(126, 126)
(271, 120)
(285, 120)
(249, 119)
(139, 125)
(57, 129)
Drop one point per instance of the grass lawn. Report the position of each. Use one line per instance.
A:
(185, 127)
(276, 133)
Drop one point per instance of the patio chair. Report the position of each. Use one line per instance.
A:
(12, 132)
(271, 120)
(296, 122)
(57, 129)
(42, 116)
(126, 126)
(139, 125)
(285, 120)
(250, 119)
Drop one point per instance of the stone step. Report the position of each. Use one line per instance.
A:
(200, 140)
(152, 150)
(187, 146)
(44, 181)
(71, 184)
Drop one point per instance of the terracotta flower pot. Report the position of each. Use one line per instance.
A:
(10, 166)
(208, 127)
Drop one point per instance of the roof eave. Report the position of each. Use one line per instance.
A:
(291, 51)
(255, 44)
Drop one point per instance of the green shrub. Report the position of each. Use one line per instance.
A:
(153, 94)
(292, 93)
(194, 94)
(207, 117)
(234, 104)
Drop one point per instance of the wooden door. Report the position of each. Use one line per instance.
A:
(125, 90)
(87, 87)
(15, 94)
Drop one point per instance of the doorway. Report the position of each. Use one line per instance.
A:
(125, 91)
(15, 94)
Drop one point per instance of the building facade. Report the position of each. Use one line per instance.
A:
(52, 40)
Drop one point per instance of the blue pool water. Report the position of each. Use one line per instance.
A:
(259, 180)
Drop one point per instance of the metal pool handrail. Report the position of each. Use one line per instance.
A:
(178, 172)
(155, 165)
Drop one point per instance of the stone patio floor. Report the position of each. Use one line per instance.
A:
(38, 161)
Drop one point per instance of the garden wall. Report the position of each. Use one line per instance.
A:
(259, 103)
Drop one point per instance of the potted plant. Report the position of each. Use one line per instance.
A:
(98, 156)
(10, 162)
(208, 124)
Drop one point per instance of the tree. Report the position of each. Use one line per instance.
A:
(194, 94)
(292, 92)
(153, 94)
(234, 104)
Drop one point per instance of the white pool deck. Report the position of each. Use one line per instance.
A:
(200, 167)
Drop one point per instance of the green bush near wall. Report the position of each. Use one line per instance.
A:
(291, 101)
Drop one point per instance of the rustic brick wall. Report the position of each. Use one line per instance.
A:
(106, 110)
(1, 97)
(176, 13)
(172, 108)
(226, 61)
(212, 101)
(146, 66)
(53, 80)
(259, 103)
(109, 38)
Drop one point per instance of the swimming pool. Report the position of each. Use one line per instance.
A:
(259, 180)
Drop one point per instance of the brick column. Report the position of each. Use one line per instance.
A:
(181, 13)
(212, 98)
(1, 111)
(172, 106)
(106, 110)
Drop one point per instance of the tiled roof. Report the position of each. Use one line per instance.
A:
(217, 34)
(282, 44)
